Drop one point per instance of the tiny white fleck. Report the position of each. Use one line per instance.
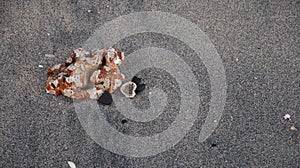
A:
(150, 93)
(215, 121)
(236, 59)
(49, 55)
(71, 164)
(89, 11)
(41, 66)
(48, 34)
(255, 77)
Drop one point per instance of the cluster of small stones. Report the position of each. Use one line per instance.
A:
(130, 89)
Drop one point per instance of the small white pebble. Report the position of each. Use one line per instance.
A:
(89, 11)
(71, 164)
(48, 34)
(293, 128)
(150, 93)
(287, 117)
(215, 121)
(236, 59)
(41, 66)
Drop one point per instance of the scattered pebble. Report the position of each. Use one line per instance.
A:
(254, 93)
(124, 121)
(287, 117)
(130, 89)
(293, 128)
(71, 164)
(213, 145)
(89, 11)
(140, 86)
(41, 66)
(215, 121)
(105, 98)
(136, 80)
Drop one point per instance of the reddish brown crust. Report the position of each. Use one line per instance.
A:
(73, 58)
(48, 86)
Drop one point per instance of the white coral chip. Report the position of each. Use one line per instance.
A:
(128, 89)
(86, 75)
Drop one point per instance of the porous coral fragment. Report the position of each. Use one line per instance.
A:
(128, 89)
(86, 75)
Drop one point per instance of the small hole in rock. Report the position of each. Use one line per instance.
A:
(213, 145)
(53, 86)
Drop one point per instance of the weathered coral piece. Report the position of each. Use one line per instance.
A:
(86, 75)
(128, 89)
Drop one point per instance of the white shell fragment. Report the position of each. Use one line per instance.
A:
(293, 128)
(128, 89)
(86, 75)
(71, 164)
